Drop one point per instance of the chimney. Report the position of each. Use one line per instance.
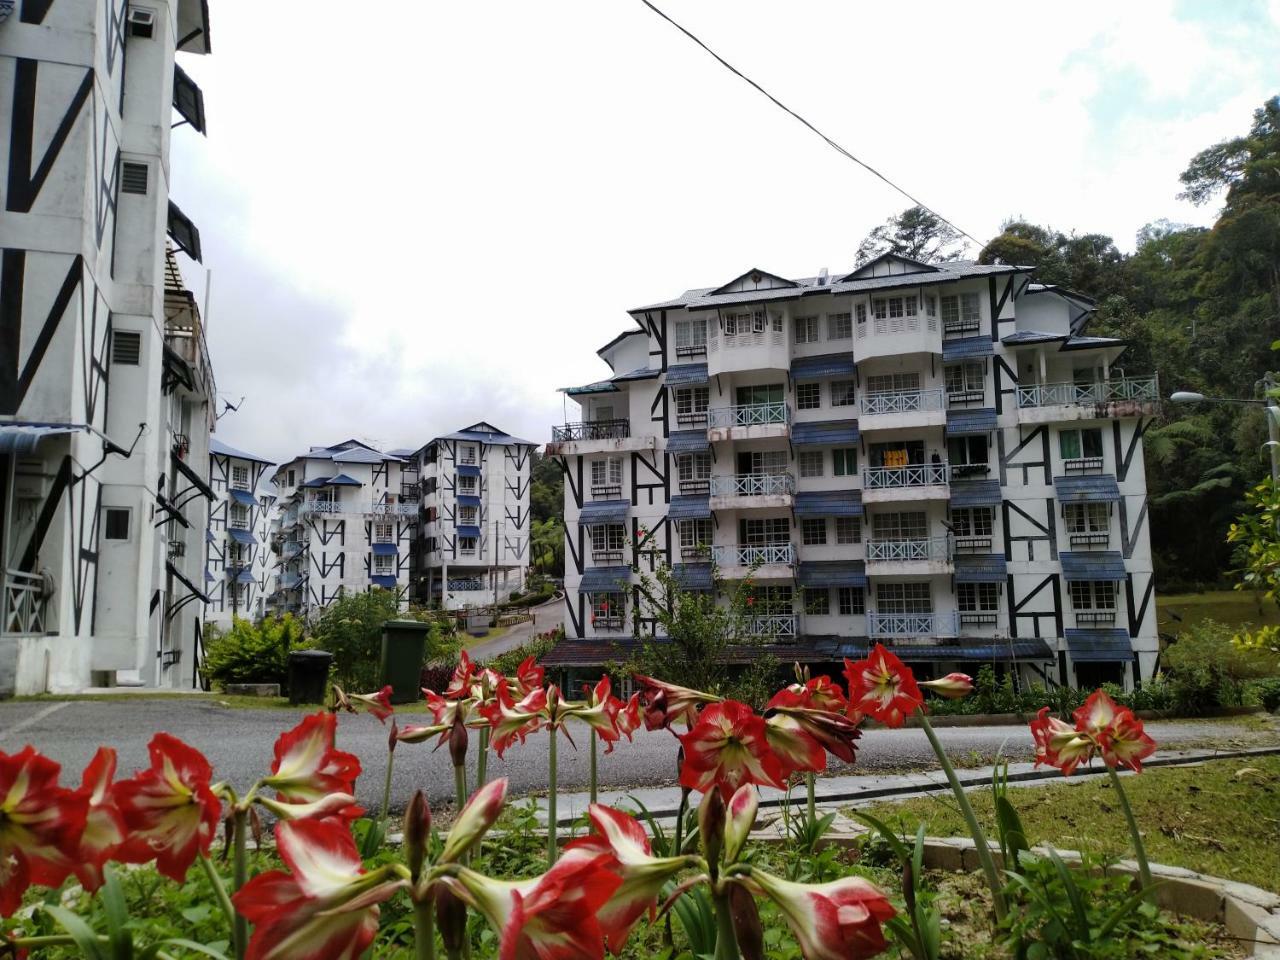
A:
(822, 277)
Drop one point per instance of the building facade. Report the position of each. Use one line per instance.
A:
(938, 457)
(473, 545)
(105, 383)
(240, 567)
(345, 521)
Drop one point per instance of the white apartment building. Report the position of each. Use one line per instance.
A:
(105, 382)
(344, 521)
(474, 526)
(240, 566)
(938, 457)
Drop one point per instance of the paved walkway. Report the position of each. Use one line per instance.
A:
(547, 616)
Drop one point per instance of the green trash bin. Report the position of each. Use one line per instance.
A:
(404, 648)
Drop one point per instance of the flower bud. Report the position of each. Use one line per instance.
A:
(746, 922)
(954, 686)
(458, 743)
(417, 832)
(741, 818)
(393, 737)
(476, 817)
(451, 918)
(711, 819)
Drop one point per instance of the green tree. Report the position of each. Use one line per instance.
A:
(351, 629)
(916, 233)
(546, 507)
(249, 653)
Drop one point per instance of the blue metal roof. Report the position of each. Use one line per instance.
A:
(604, 511)
(687, 374)
(468, 531)
(216, 446)
(468, 470)
(1098, 488)
(1103, 565)
(23, 438)
(1102, 645)
(605, 580)
(315, 482)
(467, 500)
(831, 431)
(245, 497)
(342, 480)
(968, 348)
(833, 573)
(387, 583)
(642, 373)
(486, 433)
(1023, 337)
(384, 550)
(962, 423)
(828, 503)
(692, 576)
(688, 441)
(1089, 343)
(978, 650)
(242, 536)
(600, 386)
(691, 507)
(980, 568)
(827, 365)
(975, 493)
(244, 576)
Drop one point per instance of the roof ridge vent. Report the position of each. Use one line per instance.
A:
(823, 277)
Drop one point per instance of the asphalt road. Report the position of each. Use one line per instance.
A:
(239, 744)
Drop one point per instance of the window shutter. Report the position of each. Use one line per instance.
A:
(126, 347)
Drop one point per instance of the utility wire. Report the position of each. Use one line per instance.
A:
(832, 143)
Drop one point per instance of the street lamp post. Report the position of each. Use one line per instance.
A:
(1272, 414)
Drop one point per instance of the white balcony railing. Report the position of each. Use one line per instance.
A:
(749, 414)
(24, 603)
(913, 475)
(781, 625)
(753, 485)
(393, 509)
(321, 506)
(753, 338)
(1087, 394)
(897, 402)
(376, 509)
(745, 555)
(928, 548)
(912, 624)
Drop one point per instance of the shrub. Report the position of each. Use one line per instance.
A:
(351, 629)
(1265, 693)
(251, 654)
(1207, 671)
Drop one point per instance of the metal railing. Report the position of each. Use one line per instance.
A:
(912, 624)
(956, 398)
(1090, 539)
(616, 429)
(321, 506)
(606, 491)
(24, 605)
(1094, 617)
(695, 485)
(393, 509)
(1082, 465)
(1086, 394)
(465, 585)
(974, 544)
(905, 401)
(746, 555)
(695, 554)
(749, 414)
(771, 625)
(967, 325)
(611, 558)
(927, 548)
(753, 485)
(979, 618)
(698, 349)
(691, 418)
(752, 338)
(912, 475)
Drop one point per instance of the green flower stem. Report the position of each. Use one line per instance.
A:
(424, 929)
(813, 805)
(219, 889)
(594, 737)
(975, 828)
(1139, 848)
(482, 761)
(552, 850)
(240, 875)
(54, 940)
(386, 786)
(726, 939)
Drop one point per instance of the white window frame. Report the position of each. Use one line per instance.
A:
(817, 601)
(383, 566)
(839, 326)
(240, 477)
(851, 601)
(843, 393)
(806, 329)
(467, 486)
(848, 530)
(608, 537)
(900, 525)
(811, 463)
(383, 533)
(813, 531)
(906, 597)
(809, 396)
(978, 597)
(468, 516)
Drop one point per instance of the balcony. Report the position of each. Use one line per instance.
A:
(1090, 539)
(781, 626)
(912, 624)
(1044, 402)
(608, 558)
(24, 604)
(916, 481)
(973, 544)
(752, 490)
(695, 485)
(961, 327)
(320, 506)
(1095, 618)
(1081, 465)
(892, 410)
(606, 491)
(772, 560)
(753, 350)
(596, 436)
(893, 336)
(926, 555)
(750, 421)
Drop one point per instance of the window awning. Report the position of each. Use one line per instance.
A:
(384, 549)
(978, 650)
(829, 503)
(242, 536)
(466, 470)
(342, 480)
(828, 432)
(315, 482)
(245, 497)
(604, 511)
(24, 438)
(688, 441)
(387, 583)
(1104, 645)
(244, 576)
(184, 233)
(833, 573)
(975, 493)
(605, 580)
(965, 423)
(1098, 488)
(981, 568)
(194, 478)
(968, 348)
(468, 531)
(1105, 565)
(692, 576)
(687, 375)
(466, 500)
(827, 365)
(188, 99)
(692, 507)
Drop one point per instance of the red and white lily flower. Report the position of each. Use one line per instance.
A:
(827, 724)
(726, 748)
(308, 768)
(839, 920)
(40, 825)
(667, 703)
(882, 687)
(104, 828)
(600, 711)
(477, 815)
(954, 686)
(1101, 726)
(513, 721)
(378, 704)
(740, 818)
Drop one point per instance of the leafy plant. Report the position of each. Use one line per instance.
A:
(351, 629)
(920, 931)
(248, 653)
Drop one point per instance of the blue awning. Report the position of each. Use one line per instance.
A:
(827, 365)
(384, 550)
(692, 576)
(245, 497)
(466, 500)
(467, 470)
(242, 536)
(828, 432)
(342, 480)
(968, 348)
(315, 482)
(980, 568)
(1098, 488)
(244, 576)
(692, 507)
(208, 536)
(687, 375)
(1025, 337)
(975, 493)
(1104, 645)
(604, 511)
(23, 439)
(468, 531)
(829, 503)
(963, 423)
(833, 573)
(387, 583)
(688, 441)
(1104, 565)
(978, 650)
(605, 580)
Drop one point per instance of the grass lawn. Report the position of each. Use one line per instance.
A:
(216, 699)
(1221, 818)
(1232, 607)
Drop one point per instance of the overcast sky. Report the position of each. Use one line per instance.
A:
(423, 214)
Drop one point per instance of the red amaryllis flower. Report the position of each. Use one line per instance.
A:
(551, 917)
(830, 728)
(882, 687)
(791, 744)
(40, 825)
(170, 814)
(529, 677)
(513, 721)
(600, 712)
(325, 907)
(1101, 725)
(726, 748)
(667, 703)
(308, 768)
(378, 704)
(629, 717)
(820, 693)
(104, 825)
(463, 676)
(839, 920)
(1124, 743)
(1059, 744)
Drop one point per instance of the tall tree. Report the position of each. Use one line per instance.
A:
(916, 233)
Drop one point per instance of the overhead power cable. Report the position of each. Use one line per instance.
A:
(830, 142)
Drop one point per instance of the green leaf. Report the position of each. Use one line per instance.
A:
(1013, 837)
(209, 950)
(113, 905)
(1122, 911)
(1073, 893)
(79, 931)
(895, 843)
(197, 913)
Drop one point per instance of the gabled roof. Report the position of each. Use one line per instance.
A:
(361, 455)
(756, 279)
(216, 446)
(867, 270)
(484, 432)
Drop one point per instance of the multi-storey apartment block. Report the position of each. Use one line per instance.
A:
(933, 456)
(344, 522)
(240, 564)
(105, 383)
(474, 526)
